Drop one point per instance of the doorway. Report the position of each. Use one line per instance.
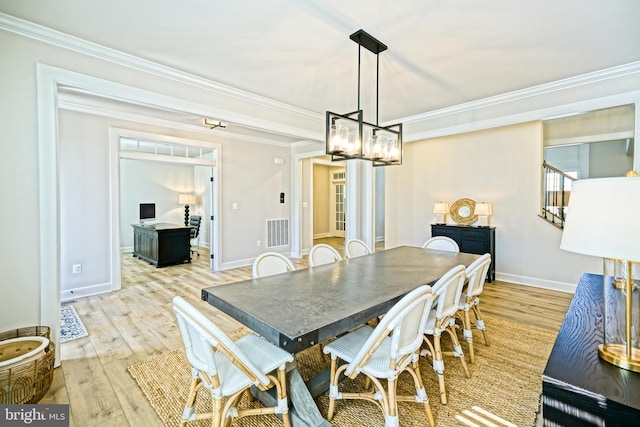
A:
(160, 168)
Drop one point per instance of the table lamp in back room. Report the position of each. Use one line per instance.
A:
(603, 220)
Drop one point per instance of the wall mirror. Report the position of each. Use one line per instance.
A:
(593, 144)
(462, 211)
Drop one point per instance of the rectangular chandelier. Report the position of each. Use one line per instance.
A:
(348, 136)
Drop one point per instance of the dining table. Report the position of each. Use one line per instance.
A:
(298, 309)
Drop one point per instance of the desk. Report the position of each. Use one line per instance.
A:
(578, 388)
(162, 244)
(299, 309)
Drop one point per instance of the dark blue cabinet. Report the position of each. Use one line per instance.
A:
(472, 240)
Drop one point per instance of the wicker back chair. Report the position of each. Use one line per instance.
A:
(270, 263)
(441, 243)
(447, 291)
(323, 254)
(384, 353)
(355, 248)
(227, 369)
(470, 300)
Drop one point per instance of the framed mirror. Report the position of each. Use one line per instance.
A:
(462, 211)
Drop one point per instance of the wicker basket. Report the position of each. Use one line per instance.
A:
(29, 381)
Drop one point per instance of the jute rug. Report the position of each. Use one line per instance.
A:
(504, 389)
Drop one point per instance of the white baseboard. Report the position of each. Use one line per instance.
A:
(538, 283)
(235, 264)
(126, 249)
(322, 235)
(87, 291)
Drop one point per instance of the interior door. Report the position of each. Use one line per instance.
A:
(338, 203)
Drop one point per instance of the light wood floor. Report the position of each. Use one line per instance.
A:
(137, 323)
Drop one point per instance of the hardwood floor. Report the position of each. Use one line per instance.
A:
(136, 323)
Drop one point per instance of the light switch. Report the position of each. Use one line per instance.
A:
(234, 206)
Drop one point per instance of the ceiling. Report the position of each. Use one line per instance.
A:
(441, 53)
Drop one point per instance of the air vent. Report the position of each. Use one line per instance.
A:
(277, 232)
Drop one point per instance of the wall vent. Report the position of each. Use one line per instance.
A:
(277, 232)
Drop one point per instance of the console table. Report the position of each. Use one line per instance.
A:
(472, 240)
(579, 388)
(162, 244)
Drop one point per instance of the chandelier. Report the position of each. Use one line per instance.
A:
(348, 136)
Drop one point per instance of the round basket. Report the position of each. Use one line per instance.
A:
(29, 381)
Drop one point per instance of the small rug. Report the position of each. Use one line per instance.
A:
(504, 389)
(71, 327)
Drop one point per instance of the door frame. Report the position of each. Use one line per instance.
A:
(333, 204)
(115, 134)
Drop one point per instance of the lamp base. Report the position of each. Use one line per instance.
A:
(616, 354)
(618, 283)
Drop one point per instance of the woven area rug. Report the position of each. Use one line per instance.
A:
(504, 389)
(71, 327)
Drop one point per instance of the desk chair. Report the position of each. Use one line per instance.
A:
(194, 223)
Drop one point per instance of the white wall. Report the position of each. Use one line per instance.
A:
(84, 204)
(500, 166)
(147, 181)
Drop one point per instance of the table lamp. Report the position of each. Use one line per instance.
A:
(603, 220)
(441, 209)
(484, 211)
(186, 200)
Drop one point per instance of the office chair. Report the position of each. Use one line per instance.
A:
(194, 223)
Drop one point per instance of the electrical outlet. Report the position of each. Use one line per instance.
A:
(76, 268)
(259, 243)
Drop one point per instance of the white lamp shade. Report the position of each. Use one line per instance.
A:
(603, 218)
(483, 209)
(440, 208)
(186, 199)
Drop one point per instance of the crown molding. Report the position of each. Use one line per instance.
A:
(543, 89)
(139, 118)
(66, 41)
(527, 116)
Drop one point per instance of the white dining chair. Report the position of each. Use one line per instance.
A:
(384, 353)
(441, 243)
(270, 263)
(323, 254)
(355, 248)
(228, 369)
(446, 291)
(470, 300)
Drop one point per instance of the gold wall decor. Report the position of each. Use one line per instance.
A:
(462, 211)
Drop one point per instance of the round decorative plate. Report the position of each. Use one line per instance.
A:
(462, 211)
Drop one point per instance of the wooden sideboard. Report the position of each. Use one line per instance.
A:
(472, 240)
(162, 244)
(579, 388)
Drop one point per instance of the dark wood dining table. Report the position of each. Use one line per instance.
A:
(299, 309)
